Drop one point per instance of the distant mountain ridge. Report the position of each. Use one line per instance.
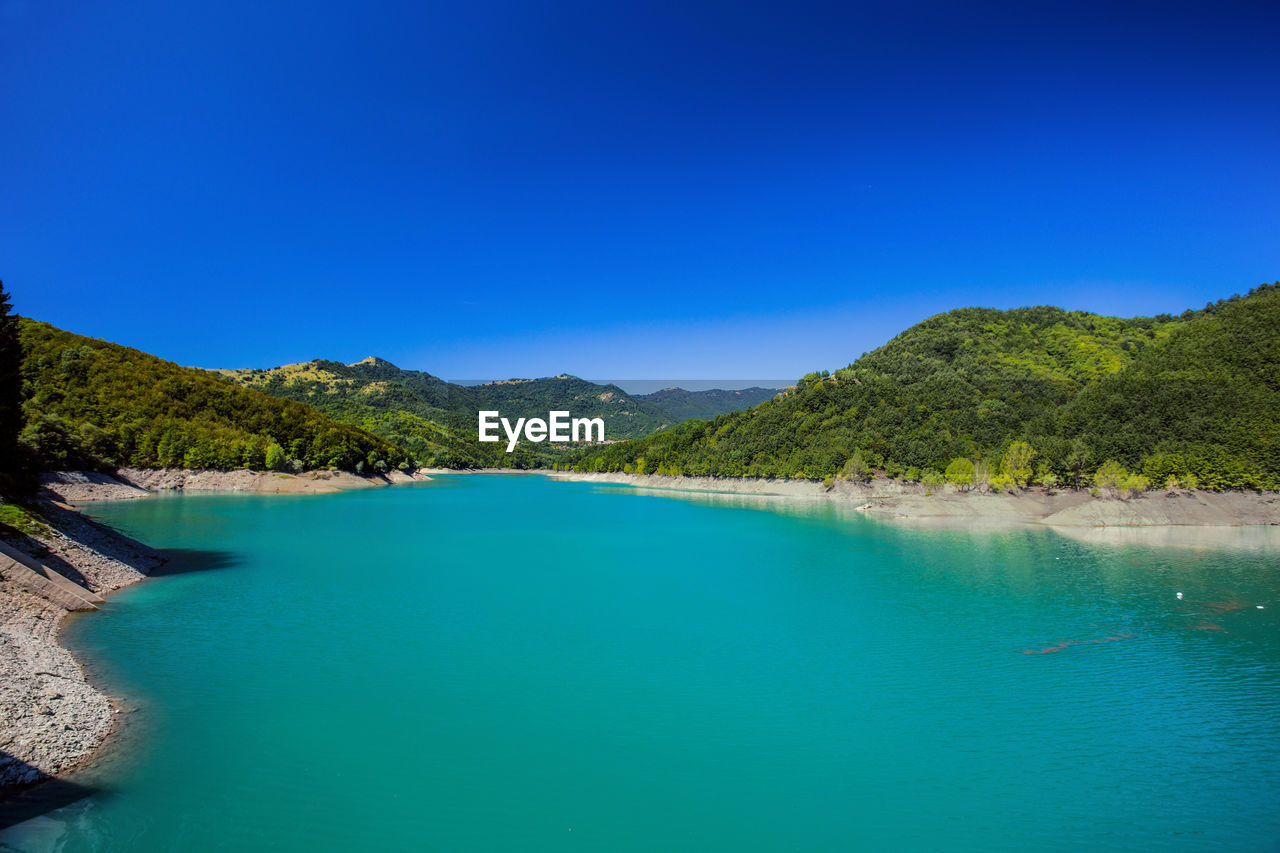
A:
(436, 419)
(685, 405)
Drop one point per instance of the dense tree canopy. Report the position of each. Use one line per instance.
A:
(1193, 397)
(10, 389)
(95, 404)
(437, 420)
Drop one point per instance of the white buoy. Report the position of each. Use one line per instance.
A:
(1179, 596)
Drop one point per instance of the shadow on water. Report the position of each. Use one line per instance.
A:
(23, 803)
(183, 561)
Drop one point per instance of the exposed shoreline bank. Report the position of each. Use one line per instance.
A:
(52, 719)
(892, 499)
(129, 483)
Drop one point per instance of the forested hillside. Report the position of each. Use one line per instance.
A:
(94, 404)
(980, 397)
(415, 410)
(436, 420)
(1201, 405)
(1192, 398)
(684, 405)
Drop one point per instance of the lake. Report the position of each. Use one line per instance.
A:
(494, 663)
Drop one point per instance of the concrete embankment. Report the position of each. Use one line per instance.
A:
(1064, 508)
(51, 718)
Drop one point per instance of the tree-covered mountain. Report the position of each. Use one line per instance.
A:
(1202, 402)
(978, 396)
(625, 416)
(1192, 398)
(414, 410)
(437, 420)
(94, 404)
(684, 405)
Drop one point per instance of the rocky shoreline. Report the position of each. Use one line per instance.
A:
(129, 483)
(51, 718)
(892, 499)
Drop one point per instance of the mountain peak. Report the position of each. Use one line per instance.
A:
(372, 361)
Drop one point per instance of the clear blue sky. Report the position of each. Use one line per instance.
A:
(622, 189)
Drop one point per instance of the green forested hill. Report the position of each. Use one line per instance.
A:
(1203, 402)
(436, 420)
(1080, 389)
(415, 410)
(625, 416)
(684, 405)
(100, 405)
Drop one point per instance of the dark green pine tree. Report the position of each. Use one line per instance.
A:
(10, 390)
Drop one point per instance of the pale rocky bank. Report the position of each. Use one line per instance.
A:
(51, 717)
(1060, 508)
(126, 483)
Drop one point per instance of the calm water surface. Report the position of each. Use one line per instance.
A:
(514, 664)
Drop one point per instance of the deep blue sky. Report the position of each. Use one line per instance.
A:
(622, 189)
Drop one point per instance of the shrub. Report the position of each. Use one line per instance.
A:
(857, 468)
(1111, 475)
(1016, 464)
(1134, 483)
(1003, 482)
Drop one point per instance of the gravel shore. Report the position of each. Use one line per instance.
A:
(129, 483)
(1063, 508)
(51, 718)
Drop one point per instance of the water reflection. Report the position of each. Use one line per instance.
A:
(1259, 538)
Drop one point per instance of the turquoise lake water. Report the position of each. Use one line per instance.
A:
(506, 663)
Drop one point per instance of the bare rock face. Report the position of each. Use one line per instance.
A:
(80, 486)
(51, 718)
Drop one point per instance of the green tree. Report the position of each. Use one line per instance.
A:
(960, 473)
(932, 479)
(11, 356)
(1134, 483)
(856, 468)
(1016, 464)
(276, 458)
